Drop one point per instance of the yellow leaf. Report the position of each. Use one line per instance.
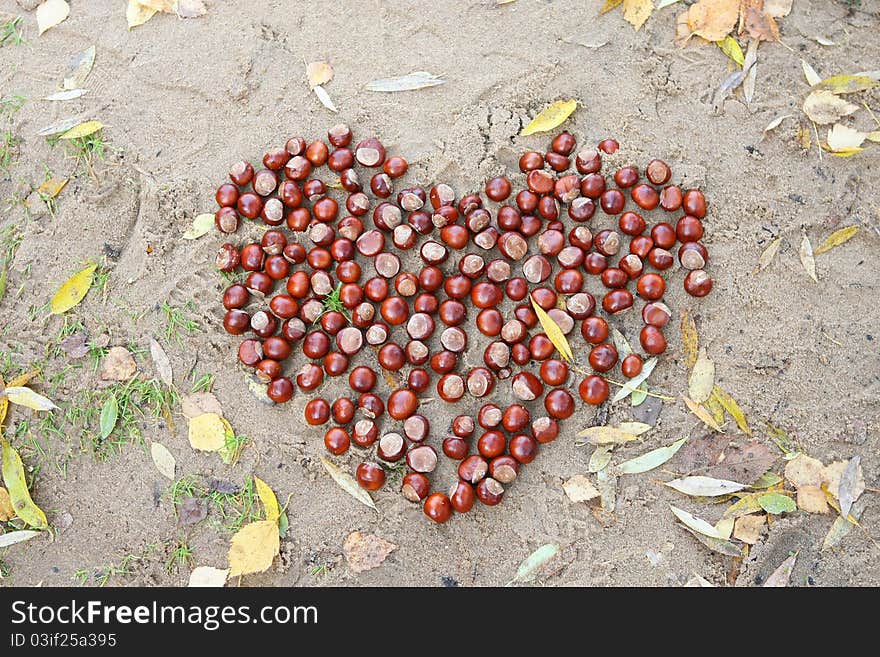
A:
(269, 500)
(557, 337)
(137, 14)
(812, 499)
(702, 379)
(836, 238)
(319, 73)
(52, 187)
(82, 130)
(689, 338)
(842, 138)
(16, 485)
(702, 413)
(166, 6)
(874, 136)
(253, 548)
(767, 255)
(636, 12)
(807, 260)
(847, 151)
(804, 470)
(28, 398)
(730, 405)
(6, 510)
(606, 436)
(348, 483)
(847, 84)
(201, 225)
(20, 380)
(715, 408)
(609, 5)
(745, 505)
(550, 117)
(207, 432)
(730, 47)
(50, 13)
(73, 291)
(712, 19)
(822, 107)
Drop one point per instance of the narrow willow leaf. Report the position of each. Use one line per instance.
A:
(67, 94)
(750, 66)
(848, 491)
(411, 82)
(20, 380)
(776, 503)
(715, 408)
(780, 576)
(836, 238)
(16, 485)
(729, 404)
(807, 260)
(767, 255)
(28, 398)
(700, 486)
(606, 436)
(730, 47)
(848, 84)
(697, 524)
(52, 187)
(813, 78)
(557, 337)
(79, 68)
(600, 458)
(635, 428)
(744, 506)
(702, 413)
(716, 544)
(702, 379)
(162, 363)
(630, 385)
(725, 527)
(840, 528)
(534, 562)
(73, 290)
(550, 118)
(843, 139)
(621, 344)
(325, 99)
(3, 274)
(650, 460)
(109, 416)
(268, 498)
(17, 537)
(775, 123)
(201, 225)
(689, 338)
(639, 395)
(347, 483)
(83, 130)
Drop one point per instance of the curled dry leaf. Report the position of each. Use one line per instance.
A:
(16, 485)
(319, 73)
(529, 568)
(842, 138)
(780, 577)
(748, 529)
(600, 458)
(813, 78)
(201, 225)
(207, 432)
(580, 489)
(366, 551)
(845, 481)
(605, 436)
(198, 403)
(51, 13)
(807, 260)
(411, 82)
(118, 365)
(208, 576)
(163, 459)
(700, 486)
(73, 290)
(557, 337)
(702, 379)
(823, 106)
(550, 117)
(836, 238)
(253, 548)
(702, 413)
(347, 483)
(650, 460)
(162, 363)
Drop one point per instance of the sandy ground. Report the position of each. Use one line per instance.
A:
(183, 99)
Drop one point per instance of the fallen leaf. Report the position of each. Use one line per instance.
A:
(650, 460)
(745, 505)
(807, 259)
(636, 12)
(635, 428)
(712, 19)
(3, 276)
(109, 416)
(6, 510)
(842, 138)
(200, 402)
(51, 13)
(18, 381)
(851, 485)
(191, 511)
(557, 337)
(609, 5)
(750, 68)
(767, 480)
(28, 398)
(319, 73)
(629, 386)
(137, 14)
(529, 568)
(208, 576)
(839, 529)
(325, 99)
(701, 453)
(767, 255)
(729, 404)
(231, 448)
(775, 123)
(347, 483)
(201, 225)
(836, 238)
(600, 458)
(82, 130)
(162, 363)
(804, 470)
(757, 23)
(822, 106)
(748, 529)
(697, 524)
(12, 538)
(622, 345)
(745, 463)
(550, 117)
(725, 527)
(730, 47)
(665, 3)
(268, 498)
(413, 81)
(607, 484)
(718, 545)
(580, 489)
(57, 128)
(73, 290)
(606, 436)
(190, 8)
(52, 187)
(366, 551)
(253, 548)
(69, 94)
(163, 459)
(689, 338)
(812, 499)
(779, 577)
(810, 73)
(698, 581)
(639, 395)
(118, 365)
(16, 485)
(848, 84)
(776, 503)
(702, 413)
(702, 379)
(701, 486)
(777, 8)
(207, 432)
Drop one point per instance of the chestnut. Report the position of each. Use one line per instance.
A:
(626, 176)
(241, 173)
(609, 146)
(263, 324)
(689, 229)
(641, 245)
(335, 364)
(394, 310)
(309, 377)
(416, 428)
(370, 153)
(489, 416)
(395, 166)
(694, 203)
(317, 411)
(491, 444)
(293, 329)
(656, 314)
(607, 242)
(342, 410)
(661, 258)
(513, 245)
(603, 357)
(365, 433)
(463, 426)
(580, 305)
(594, 389)
(631, 223)
(391, 447)
(540, 182)
(559, 404)
(450, 387)
(504, 468)
(632, 265)
(614, 278)
(530, 161)
(519, 354)
(486, 295)
(693, 255)
(554, 372)
(658, 172)
(391, 356)
(523, 448)
(540, 347)
(362, 379)
(489, 322)
(631, 366)
(402, 403)
(698, 283)
(227, 258)
(418, 379)
(236, 296)
(276, 348)
(250, 352)
(337, 441)
(581, 209)
(526, 386)
(595, 263)
(490, 491)
(455, 448)
(617, 301)
(417, 352)
(370, 476)
(457, 286)
(443, 362)
(440, 195)
(480, 381)
(415, 486)
(671, 198)
(612, 201)
(452, 312)
(651, 287)
(473, 468)
(516, 288)
(371, 405)
(545, 429)
(236, 321)
(438, 507)
(461, 496)
(498, 189)
(422, 458)
(652, 340)
(515, 417)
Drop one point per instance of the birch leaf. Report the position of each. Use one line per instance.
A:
(630, 385)
(712, 19)
(21, 536)
(689, 338)
(554, 333)
(697, 524)
(702, 379)
(779, 578)
(804, 470)
(325, 99)
(748, 529)
(636, 12)
(319, 73)
(26, 397)
(842, 138)
(580, 489)
(207, 432)
(730, 405)
(550, 117)
(200, 402)
(836, 238)
(807, 260)
(253, 548)
(702, 413)
(269, 500)
(730, 47)
(775, 123)
(163, 459)
(162, 363)
(51, 13)
(137, 14)
(208, 576)
(69, 94)
(822, 107)
(201, 225)
(606, 436)
(848, 84)
(600, 458)
(529, 568)
(347, 483)
(109, 416)
(83, 130)
(776, 503)
(700, 486)
(650, 460)
(16, 486)
(73, 290)
(767, 255)
(810, 73)
(411, 82)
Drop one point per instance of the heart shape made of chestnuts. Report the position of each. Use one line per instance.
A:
(536, 248)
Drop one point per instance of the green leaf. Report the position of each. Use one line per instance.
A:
(629, 387)
(777, 503)
(731, 48)
(650, 460)
(109, 415)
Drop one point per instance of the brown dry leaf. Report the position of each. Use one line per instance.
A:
(162, 363)
(812, 499)
(757, 23)
(75, 346)
(192, 511)
(52, 187)
(580, 489)
(807, 259)
(118, 365)
(804, 470)
(366, 551)
(823, 106)
(712, 19)
(200, 402)
(636, 12)
(689, 338)
(748, 529)
(6, 509)
(609, 5)
(699, 454)
(744, 464)
(767, 255)
(319, 73)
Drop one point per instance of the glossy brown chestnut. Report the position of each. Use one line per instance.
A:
(498, 189)
(370, 476)
(236, 321)
(631, 223)
(455, 448)
(227, 258)
(671, 198)
(422, 458)
(438, 507)
(632, 265)
(554, 372)
(250, 352)
(335, 363)
(612, 201)
(362, 379)
(626, 176)
(614, 278)
(489, 322)
(490, 492)
(515, 418)
(462, 496)
(603, 357)
(563, 143)
(310, 377)
(450, 387)
(337, 441)
(631, 366)
(609, 146)
(317, 411)
(694, 203)
(617, 301)
(342, 410)
(693, 255)
(526, 386)
(595, 263)
(415, 486)
(489, 416)
(395, 166)
(473, 468)
(652, 340)
(661, 258)
(504, 468)
(236, 296)
(418, 379)
(651, 286)
(645, 196)
(392, 447)
(491, 444)
(370, 153)
(594, 389)
(658, 172)
(530, 161)
(698, 283)
(402, 403)
(394, 310)
(523, 448)
(540, 347)
(656, 314)
(689, 229)
(594, 330)
(241, 173)
(276, 348)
